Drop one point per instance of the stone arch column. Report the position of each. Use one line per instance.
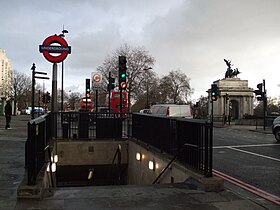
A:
(234, 109)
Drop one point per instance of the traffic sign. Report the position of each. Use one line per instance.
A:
(62, 49)
(96, 79)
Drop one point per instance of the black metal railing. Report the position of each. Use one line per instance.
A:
(171, 134)
(156, 131)
(197, 136)
(84, 125)
(167, 134)
(37, 140)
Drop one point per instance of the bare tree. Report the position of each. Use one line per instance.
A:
(150, 93)
(73, 99)
(22, 89)
(272, 107)
(175, 87)
(138, 66)
(201, 107)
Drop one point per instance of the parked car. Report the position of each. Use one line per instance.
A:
(276, 128)
(39, 110)
(145, 111)
(172, 110)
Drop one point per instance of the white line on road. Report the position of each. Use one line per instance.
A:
(251, 153)
(250, 145)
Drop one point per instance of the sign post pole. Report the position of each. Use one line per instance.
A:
(33, 90)
(96, 79)
(54, 98)
(54, 89)
(96, 100)
(62, 50)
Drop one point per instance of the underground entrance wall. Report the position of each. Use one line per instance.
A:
(77, 158)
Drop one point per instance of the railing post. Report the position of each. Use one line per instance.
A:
(31, 155)
(83, 124)
(208, 149)
(34, 148)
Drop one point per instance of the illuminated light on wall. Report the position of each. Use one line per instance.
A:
(138, 156)
(152, 165)
(90, 174)
(53, 167)
(54, 159)
(48, 168)
(157, 166)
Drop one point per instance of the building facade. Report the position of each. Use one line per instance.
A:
(6, 79)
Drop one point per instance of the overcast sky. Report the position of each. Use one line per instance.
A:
(191, 35)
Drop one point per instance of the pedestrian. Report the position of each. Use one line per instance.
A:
(8, 114)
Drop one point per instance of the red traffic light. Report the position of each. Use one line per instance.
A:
(123, 85)
(214, 98)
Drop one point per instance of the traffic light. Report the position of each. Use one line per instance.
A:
(122, 72)
(87, 88)
(227, 97)
(47, 97)
(259, 92)
(111, 84)
(214, 92)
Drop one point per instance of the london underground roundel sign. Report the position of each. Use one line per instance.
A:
(62, 49)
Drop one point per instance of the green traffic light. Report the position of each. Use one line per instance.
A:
(123, 75)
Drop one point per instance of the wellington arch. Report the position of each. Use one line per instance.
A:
(236, 98)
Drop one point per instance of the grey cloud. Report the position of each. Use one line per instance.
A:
(192, 35)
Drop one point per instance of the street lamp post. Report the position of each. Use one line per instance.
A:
(147, 87)
(62, 69)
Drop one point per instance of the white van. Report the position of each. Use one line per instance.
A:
(172, 110)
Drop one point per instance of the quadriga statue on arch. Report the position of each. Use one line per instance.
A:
(230, 73)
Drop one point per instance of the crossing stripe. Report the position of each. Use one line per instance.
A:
(251, 153)
(248, 145)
